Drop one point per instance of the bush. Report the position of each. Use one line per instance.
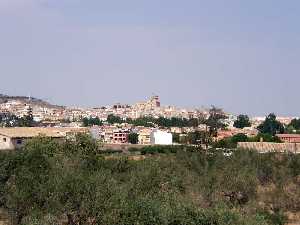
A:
(50, 183)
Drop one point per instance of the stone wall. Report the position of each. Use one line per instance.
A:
(264, 147)
(5, 218)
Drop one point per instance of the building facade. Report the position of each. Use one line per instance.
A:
(289, 138)
(144, 136)
(158, 137)
(15, 138)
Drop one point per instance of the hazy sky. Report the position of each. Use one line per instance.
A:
(241, 55)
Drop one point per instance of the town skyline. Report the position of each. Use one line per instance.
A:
(163, 104)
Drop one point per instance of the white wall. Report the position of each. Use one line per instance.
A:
(161, 138)
(6, 145)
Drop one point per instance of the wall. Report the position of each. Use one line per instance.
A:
(161, 138)
(264, 147)
(5, 217)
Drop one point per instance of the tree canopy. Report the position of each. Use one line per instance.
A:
(294, 126)
(90, 121)
(215, 120)
(271, 125)
(112, 119)
(133, 138)
(231, 142)
(149, 121)
(242, 121)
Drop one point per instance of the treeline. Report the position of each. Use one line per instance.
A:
(270, 125)
(90, 121)
(152, 122)
(294, 126)
(71, 182)
(231, 142)
(193, 138)
(203, 138)
(215, 120)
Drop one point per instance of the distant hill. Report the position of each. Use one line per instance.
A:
(27, 100)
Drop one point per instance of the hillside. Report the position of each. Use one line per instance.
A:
(27, 100)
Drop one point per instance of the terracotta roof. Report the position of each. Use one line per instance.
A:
(29, 132)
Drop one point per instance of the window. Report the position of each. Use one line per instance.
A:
(19, 141)
(4, 139)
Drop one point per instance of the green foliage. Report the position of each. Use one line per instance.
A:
(271, 126)
(242, 121)
(270, 139)
(231, 142)
(133, 149)
(295, 123)
(176, 138)
(177, 122)
(158, 149)
(239, 138)
(215, 120)
(164, 122)
(50, 182)
(91, 121)
(293, 127)
(112, 119)
(143, 121)
(133, 138)
(29, 178)
(275, 218)
(265, 137)
(198, 137)
(165, 149)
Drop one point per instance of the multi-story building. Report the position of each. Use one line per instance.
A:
(120, 136)
(144, 136)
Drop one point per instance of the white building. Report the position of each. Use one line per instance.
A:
(158, 137)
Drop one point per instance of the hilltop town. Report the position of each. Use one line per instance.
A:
(46, 112)
(143, 123)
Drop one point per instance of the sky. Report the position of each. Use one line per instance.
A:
(243, 56)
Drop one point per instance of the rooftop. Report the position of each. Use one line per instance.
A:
(29, 132)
